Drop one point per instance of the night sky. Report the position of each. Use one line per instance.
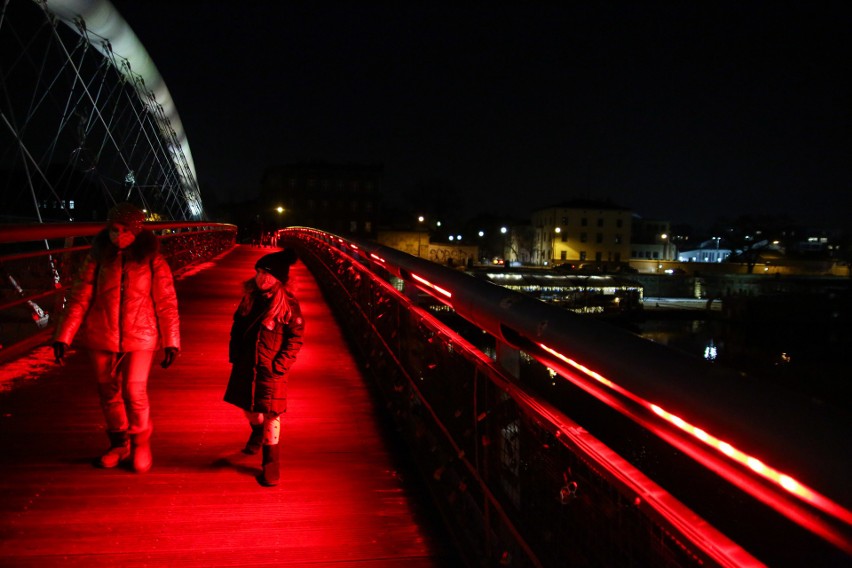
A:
(678, 111)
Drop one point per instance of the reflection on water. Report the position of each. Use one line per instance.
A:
(811, 358)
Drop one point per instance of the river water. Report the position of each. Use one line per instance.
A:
(809, 357)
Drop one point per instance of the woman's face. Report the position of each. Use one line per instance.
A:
(120, 235)
(263, 279)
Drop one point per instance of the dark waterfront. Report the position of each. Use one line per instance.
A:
(809, 357)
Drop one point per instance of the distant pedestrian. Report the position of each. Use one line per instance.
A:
(124, 306)
(266, 336)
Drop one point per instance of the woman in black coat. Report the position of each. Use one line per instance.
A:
(266, 335)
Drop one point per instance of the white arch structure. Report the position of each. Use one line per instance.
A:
(104, 21)
(141, 134)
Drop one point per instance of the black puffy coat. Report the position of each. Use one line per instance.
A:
(262, 357)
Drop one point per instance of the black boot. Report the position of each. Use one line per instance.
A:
(270, 475)
(255, 440)
(119, 450)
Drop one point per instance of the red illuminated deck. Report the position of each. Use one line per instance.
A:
(341, 501)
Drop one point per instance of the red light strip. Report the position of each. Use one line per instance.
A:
(432, 286)
(595, 375)
(796, 488)
(380, 259)
(784, 481)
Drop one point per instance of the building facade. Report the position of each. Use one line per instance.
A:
(709, 251)
(583, 232)
(651, 239)
(418, 243)
(339, 198)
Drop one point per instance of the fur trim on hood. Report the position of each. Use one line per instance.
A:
(143, 247)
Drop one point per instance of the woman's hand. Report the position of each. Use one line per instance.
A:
(171, 354)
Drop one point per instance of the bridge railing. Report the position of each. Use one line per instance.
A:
(39, 261)
(554, 439)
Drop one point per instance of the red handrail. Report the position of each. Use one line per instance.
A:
(33, 272)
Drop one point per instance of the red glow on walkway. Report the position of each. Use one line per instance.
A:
(341, 501)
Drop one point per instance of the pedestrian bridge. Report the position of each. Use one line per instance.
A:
(345, 496)
(435, 420)
(535, 436)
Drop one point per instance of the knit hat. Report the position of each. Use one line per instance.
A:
(278, 263)
(128, 215)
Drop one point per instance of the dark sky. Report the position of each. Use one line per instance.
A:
(678, 111)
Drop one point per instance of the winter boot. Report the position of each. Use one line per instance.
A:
(255, 441)
(270, 475)
(142, 458)
(119, 450)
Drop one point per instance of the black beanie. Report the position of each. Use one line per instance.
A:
(278, 263)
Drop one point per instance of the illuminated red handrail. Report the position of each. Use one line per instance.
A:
(59, 244)
(29, 232)
(758, 440)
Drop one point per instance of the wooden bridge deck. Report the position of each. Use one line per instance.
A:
(344, 499)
